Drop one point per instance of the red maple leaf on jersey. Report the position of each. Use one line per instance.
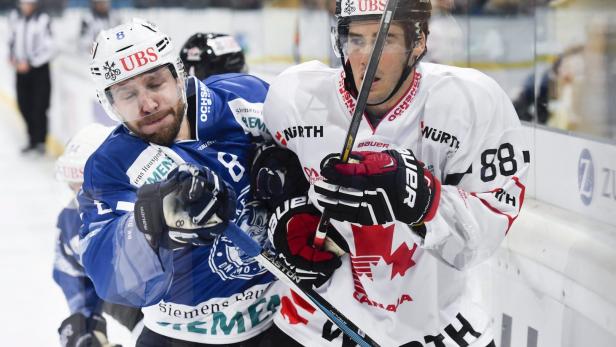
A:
(288, 308)
(373, 243)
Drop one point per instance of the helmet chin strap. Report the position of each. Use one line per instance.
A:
(405, 74)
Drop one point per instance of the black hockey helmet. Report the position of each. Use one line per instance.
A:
(206, 54)
(412, 14)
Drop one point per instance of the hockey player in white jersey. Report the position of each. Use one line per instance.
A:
(435, 181)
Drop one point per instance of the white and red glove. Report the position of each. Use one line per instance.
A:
(291, 230)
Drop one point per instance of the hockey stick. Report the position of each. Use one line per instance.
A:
(360, 107)
(289, 277)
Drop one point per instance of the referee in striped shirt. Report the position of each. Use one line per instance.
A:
(30, 47)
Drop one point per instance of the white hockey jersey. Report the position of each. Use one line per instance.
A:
(396, 286)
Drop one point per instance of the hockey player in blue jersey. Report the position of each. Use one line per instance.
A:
(85, 325)
(85, 322)
(159, 193)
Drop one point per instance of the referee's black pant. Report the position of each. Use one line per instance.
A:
(33, 96)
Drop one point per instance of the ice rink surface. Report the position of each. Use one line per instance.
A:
(30, 199)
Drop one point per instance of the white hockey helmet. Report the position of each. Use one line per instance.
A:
(412, 15)
(126, 51)
(69, 166)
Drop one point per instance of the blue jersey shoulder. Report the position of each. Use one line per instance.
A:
(240, 99)
(110, 162)
(233, 85)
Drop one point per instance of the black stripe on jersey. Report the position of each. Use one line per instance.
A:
(454, 179)
(526, 155)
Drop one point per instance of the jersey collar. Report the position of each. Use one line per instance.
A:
(403, 103)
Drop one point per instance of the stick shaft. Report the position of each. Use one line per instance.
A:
(289, 277)
(360, 107)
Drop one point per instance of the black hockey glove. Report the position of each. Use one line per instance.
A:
(378, 188)
(79, 331)
(192, 206)
(291, 230)
(276, 175)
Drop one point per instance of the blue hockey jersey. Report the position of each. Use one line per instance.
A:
(207, 294)
(68, 272)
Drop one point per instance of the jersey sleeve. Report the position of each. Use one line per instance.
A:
(67, 270)
(278, 111)
(115, 254)
(236, 107)
(483, 184)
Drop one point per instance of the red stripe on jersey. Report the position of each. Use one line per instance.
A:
(401, 105)
(510, 219)
(522, 190)
(495, 210)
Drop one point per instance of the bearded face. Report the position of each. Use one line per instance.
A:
(151, 105)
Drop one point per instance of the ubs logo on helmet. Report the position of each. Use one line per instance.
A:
(371, 5)
(139, 59)
(586, 177)
(361, 7)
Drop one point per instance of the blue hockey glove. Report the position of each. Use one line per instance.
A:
(79, 331)
(192, 206)
(378, 188)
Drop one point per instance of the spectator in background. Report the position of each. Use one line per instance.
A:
(525, 104)
(563, 102)
(30, 49)
(99, 18)
(447, 40)
(551, 103)
(206, 54)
